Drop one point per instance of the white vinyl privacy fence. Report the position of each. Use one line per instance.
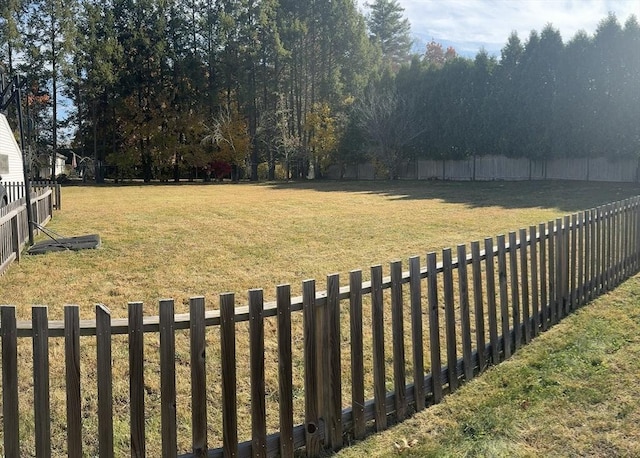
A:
(488, 168)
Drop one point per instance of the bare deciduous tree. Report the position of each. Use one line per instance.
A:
(390, 124)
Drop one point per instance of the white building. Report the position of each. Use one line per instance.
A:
(10, 156)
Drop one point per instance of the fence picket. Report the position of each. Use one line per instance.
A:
(535, 298)
(105, 381)
(256, 356)
(357, 353)
(285, 370)
(566, 261)
(524, 282)
(41, 404)
(552, 273)
(334, 399)
(397, 324)
(434, 329)
(465, 320)
(593, 278)
(136, 379)
(168, 379)
(10, 423)
(581, 260)
(599, 251)
(450, 320)
(491, 301)
(586, 282)
(197, 347)
(573, 297)
(559, 270)
(72, 376)
(311, 383)
(228, 366)
(544, 298)
(608, 248)
(416, 332)
(377, 323)
(515, 291)
(476, 270)
(504, 301)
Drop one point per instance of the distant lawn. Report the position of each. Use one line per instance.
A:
(179, 241)
(572, 392)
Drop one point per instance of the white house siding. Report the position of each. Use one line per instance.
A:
(10, 155)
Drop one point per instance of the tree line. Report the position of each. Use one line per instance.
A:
(164, 89)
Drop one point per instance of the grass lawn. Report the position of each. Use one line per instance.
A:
(182, 241)
(572, 392)
(179, 241)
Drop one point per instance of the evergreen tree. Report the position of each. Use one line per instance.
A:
(10, 40)
(51, 31)
(390, 30)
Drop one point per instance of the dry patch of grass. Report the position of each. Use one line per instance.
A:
(180, 241)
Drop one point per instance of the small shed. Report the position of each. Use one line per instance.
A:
(10, 156)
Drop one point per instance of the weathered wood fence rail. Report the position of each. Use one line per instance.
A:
(457, 316)
(14, 229)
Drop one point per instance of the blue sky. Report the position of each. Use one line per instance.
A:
(469, 25)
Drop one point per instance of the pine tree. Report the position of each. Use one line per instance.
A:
(389, 30)
(51, 34)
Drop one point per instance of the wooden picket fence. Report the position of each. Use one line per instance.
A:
(471, 311)
(15, 190)
(14, 229)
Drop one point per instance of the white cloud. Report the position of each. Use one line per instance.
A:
(469, 25)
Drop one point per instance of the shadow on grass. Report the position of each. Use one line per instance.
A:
(567, 196)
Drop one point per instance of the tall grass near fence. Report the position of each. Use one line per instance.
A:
(319, 369)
